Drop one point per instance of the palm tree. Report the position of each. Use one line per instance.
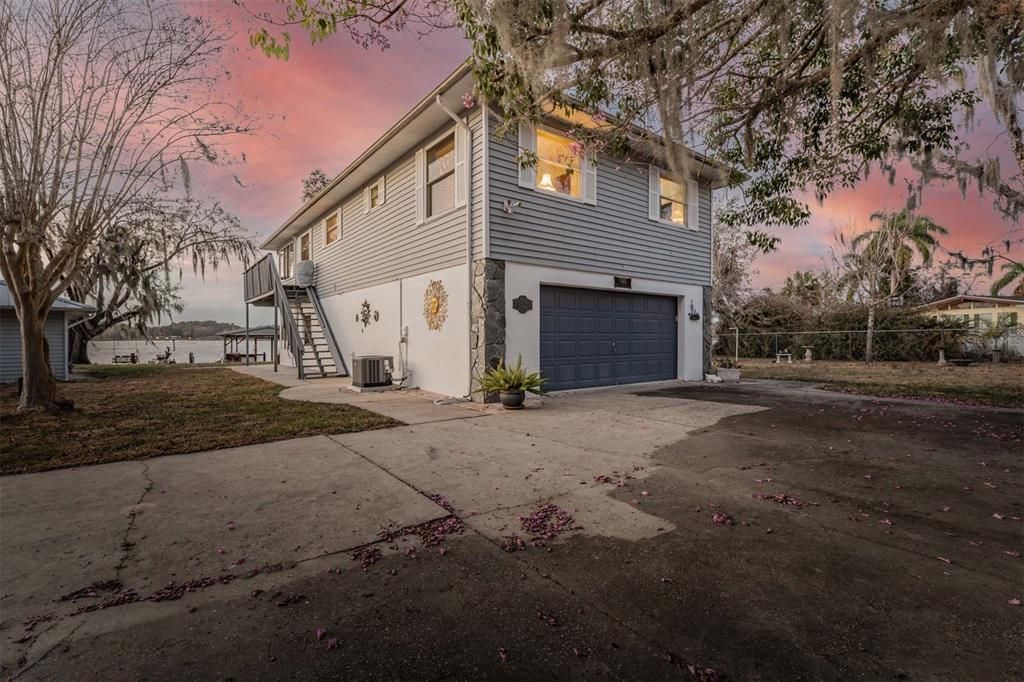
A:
(1011, 271)
(902, 235)
(804, 287)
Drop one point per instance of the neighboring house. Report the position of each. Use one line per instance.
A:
(62, 314)
(437, 247)
(977, 311)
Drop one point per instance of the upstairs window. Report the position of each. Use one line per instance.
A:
(306, 246)
(286, 256)
(332, 228)
(373, 196)
(441, 176)
(558, 164)
(562, 166)
(671, 201)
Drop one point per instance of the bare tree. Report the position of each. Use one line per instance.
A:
(732, 259)
(102, 103)
(129, 275)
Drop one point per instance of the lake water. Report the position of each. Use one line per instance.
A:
(103, 352)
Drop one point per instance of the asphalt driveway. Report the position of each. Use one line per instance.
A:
(764, 531)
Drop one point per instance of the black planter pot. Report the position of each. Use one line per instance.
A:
(513, 400)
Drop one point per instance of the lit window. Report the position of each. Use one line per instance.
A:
(305, 244)
(286, 256)
(331, 228)
(558, 164)
(672, 202)
(441, 176)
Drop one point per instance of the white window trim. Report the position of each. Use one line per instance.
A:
(421, 178)
(298, 245)
(585, 176)
(381, 197)
(691, 203)
(280, 260)
(341, 229)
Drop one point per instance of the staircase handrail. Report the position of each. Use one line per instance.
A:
(281, 300)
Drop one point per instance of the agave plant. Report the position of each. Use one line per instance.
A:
(513, 379)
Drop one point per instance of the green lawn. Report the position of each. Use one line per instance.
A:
(983, 383)
(129, 412)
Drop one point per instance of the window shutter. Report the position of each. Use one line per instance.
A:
(421, 173)
(366, 200)
(380, 191)
(590, 179)
(654, 192)
(692, 205)
(527, 143)
(461, 174)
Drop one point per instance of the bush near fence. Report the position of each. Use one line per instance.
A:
(778, 324)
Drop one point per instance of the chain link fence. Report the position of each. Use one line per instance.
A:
(921, 345)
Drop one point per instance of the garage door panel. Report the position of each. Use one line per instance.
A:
(597, 338)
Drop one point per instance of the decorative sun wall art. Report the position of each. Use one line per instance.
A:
(435, 305)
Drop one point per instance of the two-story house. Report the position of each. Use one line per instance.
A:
(438, 247)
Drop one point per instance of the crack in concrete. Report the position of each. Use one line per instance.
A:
(127, 548)
(49, 651)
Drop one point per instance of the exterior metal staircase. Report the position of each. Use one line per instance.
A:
(320, 356)
(305, 330)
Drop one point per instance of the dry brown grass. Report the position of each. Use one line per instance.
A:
(982, 383)
(140, 411)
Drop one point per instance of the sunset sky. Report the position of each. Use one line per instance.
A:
(329, 102)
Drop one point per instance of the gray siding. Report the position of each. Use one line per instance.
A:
(10, 345)
(613, 236)
(387, 244)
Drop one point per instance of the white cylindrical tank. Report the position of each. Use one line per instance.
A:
(304, 273)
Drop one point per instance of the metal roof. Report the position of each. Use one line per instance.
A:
(62, 304)
(974, 297)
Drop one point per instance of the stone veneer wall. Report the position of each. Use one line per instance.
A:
(487, 320)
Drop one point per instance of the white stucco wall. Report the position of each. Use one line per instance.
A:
(522, 333)
(438, 360)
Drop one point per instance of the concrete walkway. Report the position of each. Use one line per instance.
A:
(283, 504)
(901, 553)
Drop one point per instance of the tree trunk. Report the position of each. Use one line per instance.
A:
(39, 389)
(79, 347)
(868, 343)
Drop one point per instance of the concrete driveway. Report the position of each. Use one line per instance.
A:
(855, 538)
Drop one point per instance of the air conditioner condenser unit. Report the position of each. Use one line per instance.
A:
(370, 371)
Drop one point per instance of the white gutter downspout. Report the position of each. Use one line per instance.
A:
(469, 237)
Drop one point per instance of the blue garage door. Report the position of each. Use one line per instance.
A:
(601, 338)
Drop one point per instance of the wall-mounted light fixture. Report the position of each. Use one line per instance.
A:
(694, 315)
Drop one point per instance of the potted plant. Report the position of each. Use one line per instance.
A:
(728, 369)
(511, 384)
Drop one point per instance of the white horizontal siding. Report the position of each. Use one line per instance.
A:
(613, 236)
